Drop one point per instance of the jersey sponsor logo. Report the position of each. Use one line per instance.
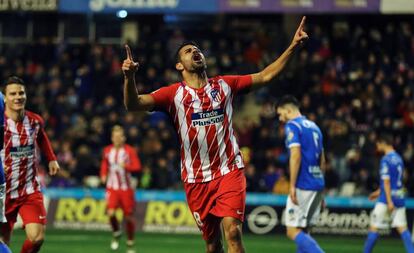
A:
(207, 118)
(23, 151)
(290, 136)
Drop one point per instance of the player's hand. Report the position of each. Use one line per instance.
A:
(103, 180)
(129, 67)
(300, 34)
(292, 195)
(53, 168)
(391, 207)
(373, 196)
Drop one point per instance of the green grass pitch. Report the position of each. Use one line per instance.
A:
(58, 241)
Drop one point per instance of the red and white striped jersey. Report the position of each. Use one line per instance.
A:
(20, 155)
(203, 120)
(117, 164)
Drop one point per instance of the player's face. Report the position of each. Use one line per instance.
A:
(283, 112)
(191, 59)
(15, 97)
(118, 138)
(380, 146)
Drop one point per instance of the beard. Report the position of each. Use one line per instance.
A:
(198, 67)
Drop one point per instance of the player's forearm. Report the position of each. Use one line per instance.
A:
(387, 189)
(131, 99)
(272, 70)
(294, 164)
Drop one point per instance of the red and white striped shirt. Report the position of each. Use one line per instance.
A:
(203, 120)
(117, 164)
(22, 140)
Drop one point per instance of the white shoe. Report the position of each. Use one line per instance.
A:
(130, 247)
(115, 240)
(114, 244)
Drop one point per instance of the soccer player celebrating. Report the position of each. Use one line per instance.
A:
(201, 110)
(119, 160)
(23, 133)
(390, 196)
(3, 246)
(306, 162)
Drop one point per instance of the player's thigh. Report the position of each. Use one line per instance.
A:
(112, 199)
(297, 215)
(32, 209)
(128, 202)
(231, 196)
(379, 216)
(399, 218)
(35, 232)
(315, 209)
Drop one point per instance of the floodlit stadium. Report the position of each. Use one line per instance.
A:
(349, 64)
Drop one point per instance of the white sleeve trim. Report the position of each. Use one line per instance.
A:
(295, 144)
(385, 177)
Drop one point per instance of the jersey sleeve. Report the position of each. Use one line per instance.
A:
(292, 133)
(133, 164)
(104, 164)
(384, 170)
(44, 142)
(163, 98)
(239, 83)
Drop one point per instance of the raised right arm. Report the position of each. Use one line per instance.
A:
(132, 100)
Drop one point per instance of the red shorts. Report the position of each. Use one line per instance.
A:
(29, 207)
(124, 199)
(210, 202)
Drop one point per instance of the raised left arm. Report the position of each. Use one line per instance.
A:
(267, 74)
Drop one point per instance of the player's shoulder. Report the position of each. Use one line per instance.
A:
(108, 148)
(393, 158)
(293, 124)
(128, 147)
(34, 116)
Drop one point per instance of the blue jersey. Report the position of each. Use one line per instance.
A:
(392, 168)
(306, 134)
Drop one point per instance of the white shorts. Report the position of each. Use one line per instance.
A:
(2, 203)
(381, 218)
(307, 212)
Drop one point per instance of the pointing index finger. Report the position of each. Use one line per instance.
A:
(302, 22)
(128, 51)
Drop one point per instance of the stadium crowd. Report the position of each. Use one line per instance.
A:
(352, 96)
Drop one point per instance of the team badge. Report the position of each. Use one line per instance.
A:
(290, 136)
(215, 94)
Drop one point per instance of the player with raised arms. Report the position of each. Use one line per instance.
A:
(201, 109)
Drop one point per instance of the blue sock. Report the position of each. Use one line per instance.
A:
(370, 241)
(306, 243)
(406, 237)
(4, 248)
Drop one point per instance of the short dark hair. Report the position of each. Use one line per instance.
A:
(15, 80)
(386, 138)
(185, 43)
(288, 100)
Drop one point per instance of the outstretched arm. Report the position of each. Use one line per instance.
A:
(132, 100)
(277, 66)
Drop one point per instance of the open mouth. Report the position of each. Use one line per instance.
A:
(197, 58)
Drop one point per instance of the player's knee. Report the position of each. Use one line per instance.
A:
(233, 233)
(291, 233)
(111, 212)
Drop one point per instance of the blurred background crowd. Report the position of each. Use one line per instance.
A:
(344, 76)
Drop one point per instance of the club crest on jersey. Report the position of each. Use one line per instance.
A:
(215, 94)
(207, 118)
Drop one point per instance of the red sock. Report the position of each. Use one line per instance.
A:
(130, 229)
(30, 247)
(114, 223)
